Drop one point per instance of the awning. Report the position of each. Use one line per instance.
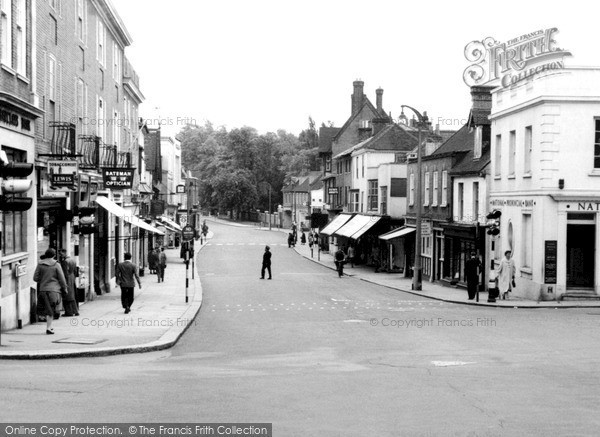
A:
(372, 222)
(170, 223)
(353, 226)
(397, 233)
(119, 212)
(169, 227)
(339, 221)
(144, 188)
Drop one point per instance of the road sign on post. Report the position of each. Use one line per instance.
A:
(187, 233)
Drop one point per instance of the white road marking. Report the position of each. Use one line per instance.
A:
(355, 321)
(450, 363)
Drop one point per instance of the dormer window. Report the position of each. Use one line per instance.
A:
(365, 124)
(478, 143)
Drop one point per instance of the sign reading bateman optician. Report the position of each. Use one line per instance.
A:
(118, 178)
(514, 61)
(62, 176)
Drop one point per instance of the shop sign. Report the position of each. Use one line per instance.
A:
(62, 176)
(118, 178)
(426, 229)
(527, 203)
(157, 208)
(332, 191)
(511, 62)
(550, 249)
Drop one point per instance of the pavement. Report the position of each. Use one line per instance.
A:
(432, 290)
(159, 317)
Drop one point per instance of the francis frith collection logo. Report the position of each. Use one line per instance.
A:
(510, 62)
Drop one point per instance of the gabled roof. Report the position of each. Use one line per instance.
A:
(366, 102)
(317, 185)
(326, 135)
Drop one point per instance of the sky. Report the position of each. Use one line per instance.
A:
(272, 64)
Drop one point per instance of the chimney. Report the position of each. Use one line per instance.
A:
(357, 96)
(379, 93)
(379, 124)
(481, 97)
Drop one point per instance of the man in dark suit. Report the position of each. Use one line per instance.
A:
(472, 270)
(266, 264)
(126, 273)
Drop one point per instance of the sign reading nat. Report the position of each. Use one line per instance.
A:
(118, 178)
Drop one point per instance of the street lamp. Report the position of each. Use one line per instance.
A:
(417, 279)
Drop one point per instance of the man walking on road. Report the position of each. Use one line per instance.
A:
(266, 263)
(472, 270)
(126, 272)
(340, 257)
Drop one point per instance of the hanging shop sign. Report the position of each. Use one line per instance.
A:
(118, 178)
(63, 176)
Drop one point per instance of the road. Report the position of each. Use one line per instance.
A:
(320, 355)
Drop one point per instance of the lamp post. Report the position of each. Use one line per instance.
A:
(417, 273)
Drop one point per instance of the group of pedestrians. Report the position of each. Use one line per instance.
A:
(503, 277)
(157, 262)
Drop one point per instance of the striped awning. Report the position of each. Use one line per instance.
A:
(119, 212)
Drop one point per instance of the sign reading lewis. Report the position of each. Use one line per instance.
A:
(118, 178)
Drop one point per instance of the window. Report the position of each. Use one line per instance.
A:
(527, 240)
(372, 196)
(460, 200)
(411, 194)
(398, 187)
(82, 58)
(80, 99)
(597, 145)
(498, 156)
(14, 227)
(5, 32)
(328, 163)
(116, 129)
(354, 201)
(347, 163)
(101, 119)
(51, 78)
(357, 167)
(512, 144)
(362, 201)
(82, 20)
(101, 79)
(527, 150)
(346, 190)
(444, 188)
(383, 207)
(475, 202)
(362, 159)
(426, 197)
(21, 38)
(101, 43)
(54, 22)
(436, 176)
(117, 62)
(478, 142)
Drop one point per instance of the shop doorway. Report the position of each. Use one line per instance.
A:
(580, 255)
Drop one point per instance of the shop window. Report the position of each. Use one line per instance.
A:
(14, 227)
(527, 239)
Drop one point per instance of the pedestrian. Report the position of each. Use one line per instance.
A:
(51, 282)
(290, 240)
(311, 240)
(69, 267)
(303, 238)
(340, 257)
(152, 260)
(506, 275)
(161, 265)
(351, 254)
(126, 273)
(472, 271)
(266, 263)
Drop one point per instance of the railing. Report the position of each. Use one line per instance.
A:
(89, 149)
(63, 138)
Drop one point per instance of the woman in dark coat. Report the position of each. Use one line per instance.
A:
(69, 267)
(152, 260)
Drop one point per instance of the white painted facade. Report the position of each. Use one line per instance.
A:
(546, 181)
(469, 200)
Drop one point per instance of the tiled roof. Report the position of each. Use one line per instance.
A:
(461, 141)
(468, 165)
(326, 135)
(391, 137)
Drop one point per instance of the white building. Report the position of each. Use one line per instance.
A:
(546, 181)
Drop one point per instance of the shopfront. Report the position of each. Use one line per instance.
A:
(460, 240)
